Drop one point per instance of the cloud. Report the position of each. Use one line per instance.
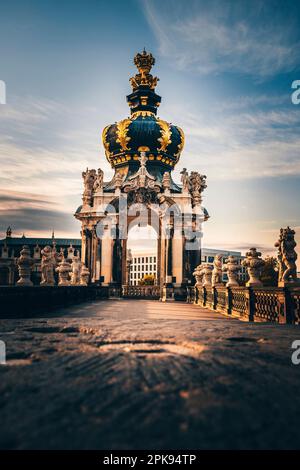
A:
(252, 38)
(32, 213)
(242, 145)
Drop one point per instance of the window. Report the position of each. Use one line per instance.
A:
(210, 259)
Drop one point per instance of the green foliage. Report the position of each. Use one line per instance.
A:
(269, 275)
(147, 280)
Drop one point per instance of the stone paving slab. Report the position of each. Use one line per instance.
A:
(143, 374)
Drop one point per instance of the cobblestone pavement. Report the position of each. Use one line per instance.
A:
(143, 374)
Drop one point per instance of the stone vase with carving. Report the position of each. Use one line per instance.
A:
(198, 275)
(231, 268)
(25, 263)
(254, 265)
(63, 270)
(207, 270)
(84, 276)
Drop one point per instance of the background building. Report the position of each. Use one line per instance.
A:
(208, 256)
(10, 248)
(143, 262)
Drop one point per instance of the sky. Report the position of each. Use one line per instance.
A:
(226, 70)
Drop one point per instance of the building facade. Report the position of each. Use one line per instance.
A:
(10, 248)
(144, 262)
(208, 256)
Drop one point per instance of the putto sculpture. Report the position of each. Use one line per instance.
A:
(217, 271)
(47, 267)
(254, 265)
(232, 268)
(287, 257)
(98, 181)
(197, 184)
(76, 269)
(89, 177)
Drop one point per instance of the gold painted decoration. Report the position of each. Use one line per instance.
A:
(122, 129)
(181, 145)
(144, 62)
(142, 113)
(166, 133)
(105, 143)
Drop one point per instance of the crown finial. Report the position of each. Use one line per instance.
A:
(144, 62)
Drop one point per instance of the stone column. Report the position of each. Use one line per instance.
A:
(106, 260)
(177, 259)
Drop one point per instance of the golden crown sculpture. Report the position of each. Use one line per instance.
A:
(144, 62)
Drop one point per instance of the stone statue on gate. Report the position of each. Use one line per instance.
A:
(89, 177)
(287, 257)
(47, 267)
(185, 180)
(217, 271)
(166, 180)
(197, 184)
(98, 182)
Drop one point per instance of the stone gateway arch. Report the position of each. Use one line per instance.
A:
(143, 151)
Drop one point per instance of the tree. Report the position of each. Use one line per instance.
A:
(147, 280)
(269, 276)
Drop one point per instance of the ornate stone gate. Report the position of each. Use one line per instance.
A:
(143, 151)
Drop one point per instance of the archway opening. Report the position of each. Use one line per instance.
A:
(142, 256)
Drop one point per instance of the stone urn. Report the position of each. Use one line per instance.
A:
(25, 263)
(254, 265)
(84, 276)
(232, 268)
(63, 270)
(198, 275)
(206, 271)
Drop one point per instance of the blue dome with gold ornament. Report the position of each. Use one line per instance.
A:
(143, 131)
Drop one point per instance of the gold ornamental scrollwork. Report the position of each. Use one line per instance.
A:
(122, 129)
(142, 113)
(181, 145)
(166, 133)
(108, 153)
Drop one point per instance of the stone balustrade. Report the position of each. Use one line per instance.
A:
(261, 304)
(23, 302)
(141, 292)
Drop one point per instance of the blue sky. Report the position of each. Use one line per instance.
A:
(225, 72)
